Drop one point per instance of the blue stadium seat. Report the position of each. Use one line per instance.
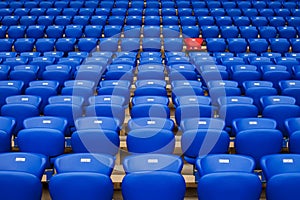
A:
(10, 20)
(267, 32)
(241, 73)
(6, 44)
(25, 73)
(21, 107)
(237, 45)
(275, 73)
(276, 21)
(248, 186)
(98, 20)
(109, 44)
(24, 44)
(150, 123)
(220, 163)
(248, 32)
(290, 88)
(63, 20)
(59, 73)
(74, 31)
(93, 31)
(16, 32)
(10, 88)
(45, 20)
(98, 123)
(55, 31)
(216, 44)
(150, 141)
(202, 123)
(283, 43)
(258, 45)
(45, 44)
(65, 44)
(210, 31)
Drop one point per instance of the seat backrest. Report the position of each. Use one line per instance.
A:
(152, 162)
(247, 186)
(81, 185)
(273, 165)
(224, 163)
(150, 141)
(85, 162)
(58, 123)
(106, 123)
(34, 164)
(153, 185)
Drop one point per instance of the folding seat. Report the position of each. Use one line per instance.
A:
(257, 89)
(98, 20)
(59, 73)
(4, 71)
(76, 4)
(290, 88)
(15, 32)
(168, 11)
(68, 107)
(183, 4)
(237, 45)
(289, 62)
(15, 61)
(210, 31)
(173, 44)
(118, 11)
(275, 73)
(223, 163)
(201, 12)
(151, 123)
(6, 45)
(35, 32)
(93, 31)
(97, 123)
(296, 70)
(53, 12)
(82, 88)
(151, 60)
(217, 12)
(102, 11)
(107, 110)
(95, 141)
(258, 45)
(138, 163)
(248, 32)
(184, 112)
(21, 107)
(276, 21)
(259, 21)
(48, 122)
(271, 55)
(243, 124)
(266, 12)
(250, 12)
(71, 12)
(31, 4)
(150, 110)
(282, 12)
(112, 30)
(151, 12)
(216, 44)
(213, 72)
(293, 21)
(241, 73)
(192, 143)
(231, 61)
(267, 32)
(241, 21)
(132, 31)
(234, 107)
(25, 73)
(65, 44)
(138, 100)
(184, 12)
(85, 162)
(223, 21)
(246, 55)
(45, 20)
(87, 44)
(151, 31)
(85, 12)
(151, 75)
(109, 44)
(61, 4)
(45, 44)
(10, 20)
(63, 20)
(248, 186)
(202, 123)
(133, 20)
(46, 4)
(24, 44)
(287, 32)
(171, 20)
(244, 4)
(6, 11)
(91, 4)
(81, 20)
(44, 89)
(106, 4)
(74, 31)
(55, 31)
(233, 12)
(191, 99)
(284, 105)
(28, 20)
(149, 179)
(150, 141)
(134, 12)
(10, 88)
(152, 20)
(116, 20)
(37, 11)
(151, 44)
(115, 87)
(206, 21)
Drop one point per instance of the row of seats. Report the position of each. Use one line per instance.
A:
(149, 173)
(189, 30)
(151, 4)
(167, 19)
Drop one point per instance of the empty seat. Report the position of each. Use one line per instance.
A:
(275, 73)
(248, 31)
(202, 123)
(150, 141)
(283, 43)
(24, 45)
(105, 123)
(65, 44)
(25, 73)
(241, 73)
